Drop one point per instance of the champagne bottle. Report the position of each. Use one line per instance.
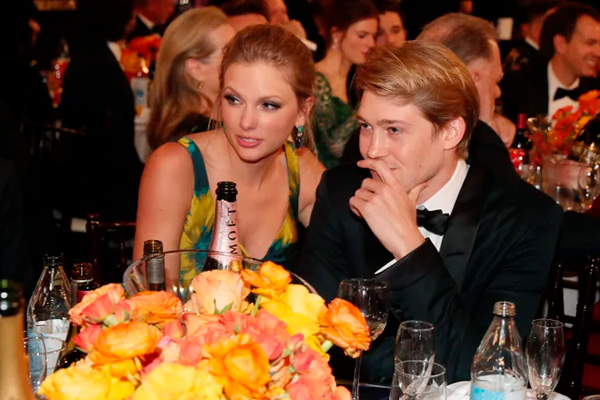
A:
(14, 376)
(225, 234)
(155, 265)
(499, 369)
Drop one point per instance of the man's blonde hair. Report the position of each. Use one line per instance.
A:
(428, 76)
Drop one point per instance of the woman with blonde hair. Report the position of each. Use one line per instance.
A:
(186, 82)
(265, 96)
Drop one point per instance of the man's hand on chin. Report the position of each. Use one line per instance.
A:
(389, 210)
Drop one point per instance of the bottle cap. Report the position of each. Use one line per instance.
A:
(11, 297)
(505, 309)
(153, 247)
(226, 191)
(54, 260)
(81, 270)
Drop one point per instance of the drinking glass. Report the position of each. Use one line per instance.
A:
(35, 352)
(54, 349)
(589, 185)
(414, 341)
(418, 380)
(371, 297)
(545, 355)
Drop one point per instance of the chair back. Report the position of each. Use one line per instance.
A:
(111, 247)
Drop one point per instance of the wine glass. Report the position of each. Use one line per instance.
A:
(545, 355)
(589, 185)
(418, 380)
(414, 341)
(35, 352)
(371, 297)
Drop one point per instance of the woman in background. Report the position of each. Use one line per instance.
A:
(186, 82)
(267, 76)
(351, 28)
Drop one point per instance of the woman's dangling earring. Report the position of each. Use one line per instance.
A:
(335, 45)
(200, 85)
(299, 136)
(223, 126)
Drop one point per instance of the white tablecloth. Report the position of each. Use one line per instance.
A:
(461, 391)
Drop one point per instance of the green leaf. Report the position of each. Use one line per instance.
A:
(224, 310)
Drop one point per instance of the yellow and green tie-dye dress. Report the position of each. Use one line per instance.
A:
(198, 228)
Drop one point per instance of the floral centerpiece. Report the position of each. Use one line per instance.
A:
(219, 345)
(558, 135)
(139, 54)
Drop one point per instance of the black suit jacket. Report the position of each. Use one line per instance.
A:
(141, 29)
(526, 91)
(98, 98)
(498, 246)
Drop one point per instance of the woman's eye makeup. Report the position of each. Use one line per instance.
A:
(269, 105)
(231, 99)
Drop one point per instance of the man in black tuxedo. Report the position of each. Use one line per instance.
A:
(151, 16)
(418, 108)
(570, 39)
(519, 53)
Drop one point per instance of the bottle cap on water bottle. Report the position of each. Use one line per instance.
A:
(505, 309)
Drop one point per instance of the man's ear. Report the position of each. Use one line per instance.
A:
(560, 44)
(195, 69)
(453, 133)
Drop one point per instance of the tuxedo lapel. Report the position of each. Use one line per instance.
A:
(463, 224)
(537, 86)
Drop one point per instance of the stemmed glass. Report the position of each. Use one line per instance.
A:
(414, 341)
(419, 380)
(35, 351)
(589, 185)
(545, 355)
(372, 299)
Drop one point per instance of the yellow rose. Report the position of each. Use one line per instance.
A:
(215, 292)
(179, 382)
(298, 309)
(124, 341)
(120, 389)
(78, 382)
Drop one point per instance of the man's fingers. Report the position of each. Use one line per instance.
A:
(380, 168)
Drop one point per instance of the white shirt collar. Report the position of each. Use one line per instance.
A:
(146, 21)
(532, 43)
(115, 48)
(445, 198)
(553, 84)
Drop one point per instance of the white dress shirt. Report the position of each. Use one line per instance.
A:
(530, 42)
(149, 24)
(444, 199)
(553, 84)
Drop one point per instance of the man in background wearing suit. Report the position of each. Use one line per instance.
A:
(571, 41)
(480, 237)
(151, 16)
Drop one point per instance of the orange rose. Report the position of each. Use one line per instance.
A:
(241, 366)
(271, 279)
(97, 304)
(155, 308)
(86, 339)
(215, 292)
(124, 341)
(345, 326)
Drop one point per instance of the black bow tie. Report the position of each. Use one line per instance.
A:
(434, 221)
(573, 94)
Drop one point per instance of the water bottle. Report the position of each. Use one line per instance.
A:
(48, 308)
(499, 370)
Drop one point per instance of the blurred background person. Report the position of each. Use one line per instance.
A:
(267, 76)
(243, 13)
(186, 83)
(151, 16)
(391, 26)
(351, 31)
(521, 52)
(98, 100)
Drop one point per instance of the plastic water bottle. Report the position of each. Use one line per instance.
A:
(48, 308)
(499, 370)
